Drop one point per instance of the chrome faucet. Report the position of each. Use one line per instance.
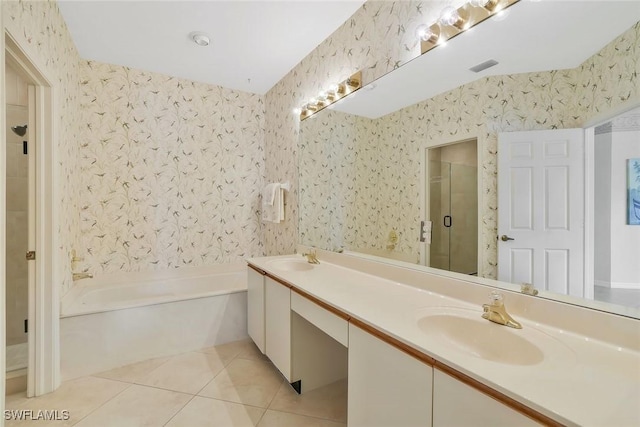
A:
(80, 276)
(312, 258)
(495, 311)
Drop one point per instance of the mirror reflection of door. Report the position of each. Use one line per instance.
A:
(541, 209)
(453, 207)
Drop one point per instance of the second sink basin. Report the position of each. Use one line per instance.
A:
(289, 264)
(465, 331)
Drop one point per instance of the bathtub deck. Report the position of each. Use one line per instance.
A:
(228, 385)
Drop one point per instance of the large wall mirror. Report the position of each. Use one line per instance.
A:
(385, 169)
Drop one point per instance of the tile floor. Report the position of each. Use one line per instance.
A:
(228, 385)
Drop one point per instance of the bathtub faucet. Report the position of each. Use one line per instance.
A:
(80, 276)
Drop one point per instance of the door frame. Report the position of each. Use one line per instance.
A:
(589, 187)
(44, 308)
(424, 192)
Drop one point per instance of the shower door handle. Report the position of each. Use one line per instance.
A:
(447, 221)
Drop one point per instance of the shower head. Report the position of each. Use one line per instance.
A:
(19, 130)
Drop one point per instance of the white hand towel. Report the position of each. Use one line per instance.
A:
(272, 203)
(269, 193)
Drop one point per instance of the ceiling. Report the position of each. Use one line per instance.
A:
(531, 36)
(253, 45)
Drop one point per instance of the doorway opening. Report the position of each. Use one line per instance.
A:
(38, 255)
(19, 202)
(452, 206)
(616, 214)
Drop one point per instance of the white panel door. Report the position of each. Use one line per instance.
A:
(541, 209)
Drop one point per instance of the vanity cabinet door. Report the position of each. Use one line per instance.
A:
(456, 404)
(387, 387)
(255, 307)
(278, 325)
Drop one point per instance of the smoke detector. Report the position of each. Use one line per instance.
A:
(200, 38)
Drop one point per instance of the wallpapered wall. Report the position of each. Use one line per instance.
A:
(171, 171)
(379, 37)
(482, 108)
(340, 173)
(46, 38)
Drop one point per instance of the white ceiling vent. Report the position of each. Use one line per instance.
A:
(483, 66)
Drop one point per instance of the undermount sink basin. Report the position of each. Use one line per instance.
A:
(291, 265)
(467, 332)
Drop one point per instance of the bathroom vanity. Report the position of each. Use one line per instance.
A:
(417, 351)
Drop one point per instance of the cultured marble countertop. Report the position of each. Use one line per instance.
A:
(580, 381)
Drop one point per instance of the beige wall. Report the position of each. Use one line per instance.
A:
(171, 171)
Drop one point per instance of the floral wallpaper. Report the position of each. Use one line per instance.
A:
(171, 171)
(43, 33)
(386, 196)
(378, 38)
(156, 172)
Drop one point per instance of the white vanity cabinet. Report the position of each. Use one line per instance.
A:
(456, 404)
(255, 307)
(387, 387)
(277, 318)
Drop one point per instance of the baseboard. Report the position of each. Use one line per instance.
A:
(623, 285)
(602, 283)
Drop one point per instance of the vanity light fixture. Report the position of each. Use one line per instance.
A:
(489, 5)
(429, 34)
(454, 17)
(200, 38)
(455, 21)
(335, 93)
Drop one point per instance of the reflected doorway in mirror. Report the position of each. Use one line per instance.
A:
(633, 191)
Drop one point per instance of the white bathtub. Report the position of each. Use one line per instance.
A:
(114, 320)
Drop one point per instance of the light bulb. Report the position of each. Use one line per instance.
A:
(489, 5)
(449, 16)
(430, 34)
(423, 32)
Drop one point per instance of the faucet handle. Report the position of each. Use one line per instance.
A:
(496, 298)
(528, 288)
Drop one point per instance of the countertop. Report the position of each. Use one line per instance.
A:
(579, 381)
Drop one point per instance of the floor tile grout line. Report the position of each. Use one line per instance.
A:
(165, 389)
(310, 416)
(282, 384)
(224, 367)
(230, 401)
(168, 358)
(233, 401)
(111, 379)
(103, 403)
(285, 384)
(179, 410)
(209, 382)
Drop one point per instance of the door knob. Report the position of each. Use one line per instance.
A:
(506, 238)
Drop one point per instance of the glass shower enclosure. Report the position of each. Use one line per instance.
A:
(453, 206)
